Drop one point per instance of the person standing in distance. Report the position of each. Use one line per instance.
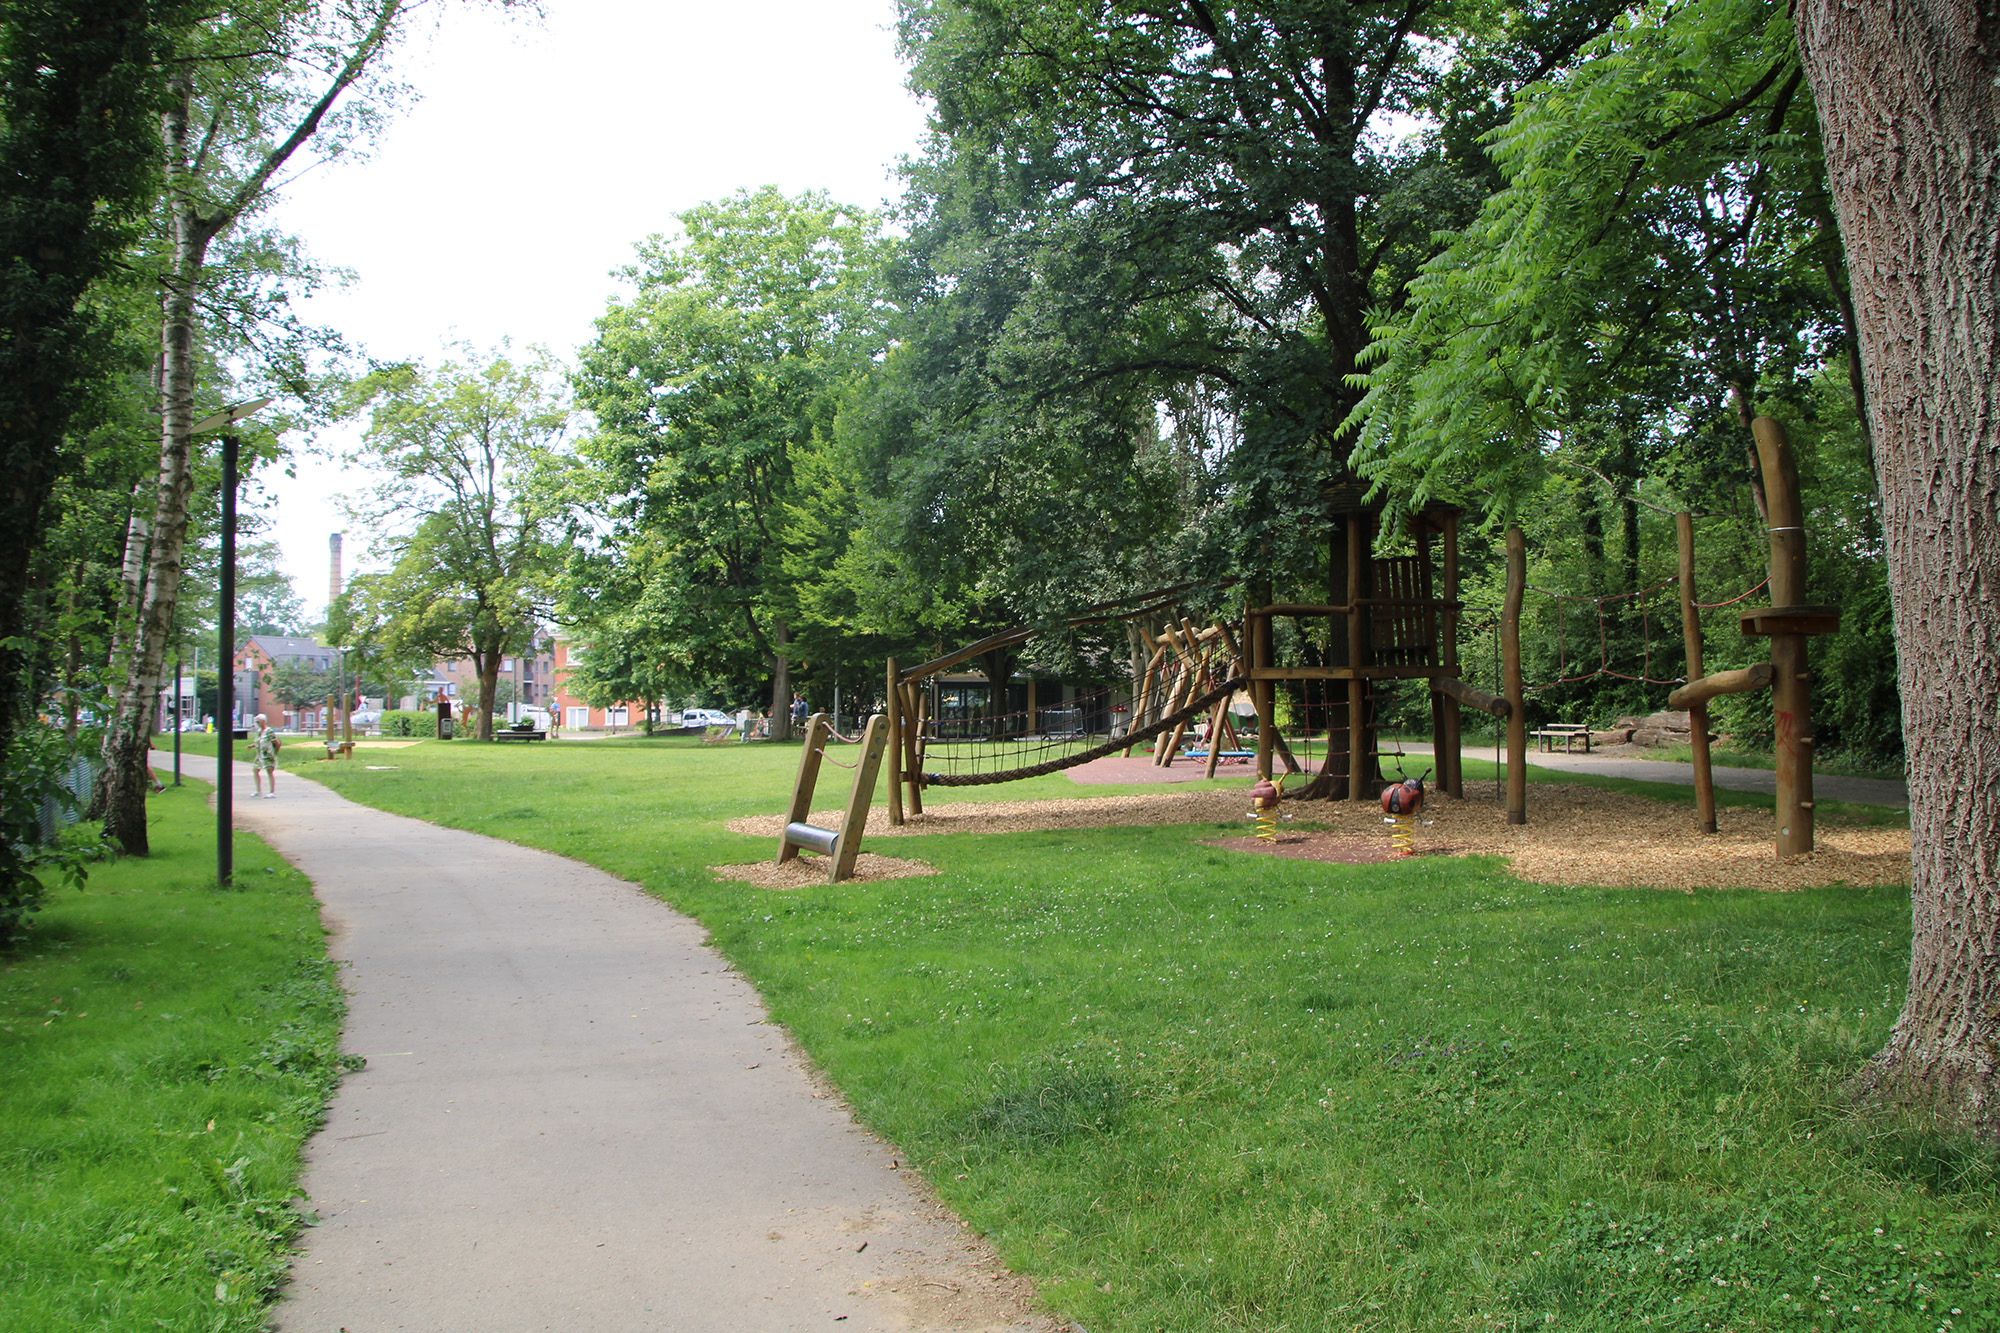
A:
(264, 759)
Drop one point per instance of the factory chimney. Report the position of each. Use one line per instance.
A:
(333, 580)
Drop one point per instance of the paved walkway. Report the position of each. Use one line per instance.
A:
(1826, 786)
(574, 1117)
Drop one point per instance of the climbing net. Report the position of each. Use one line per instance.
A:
(1049, 751)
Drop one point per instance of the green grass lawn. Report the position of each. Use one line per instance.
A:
(165, 1048)
(1188, 1089)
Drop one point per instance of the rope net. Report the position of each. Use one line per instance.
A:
(1065, 751)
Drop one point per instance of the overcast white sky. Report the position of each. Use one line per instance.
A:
(541, 151)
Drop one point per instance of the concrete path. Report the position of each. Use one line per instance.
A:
(1826, 786)
(574, 1116)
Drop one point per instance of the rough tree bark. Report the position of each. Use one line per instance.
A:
(1910, 113)
(781, 681)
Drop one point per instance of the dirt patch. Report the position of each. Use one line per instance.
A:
(989, 1301)
(1574, 834)
(803, 870)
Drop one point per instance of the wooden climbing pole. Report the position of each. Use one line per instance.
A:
(1789, 623)
(1510, 677)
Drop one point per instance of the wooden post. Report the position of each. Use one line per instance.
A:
(1143, 703)
(1791, 696)
(1510, 675)
(913, 745)
(893, 721)
(1704, 776)
(1256, 654)
(1358, 730)
(802, 790)
(873, 742)
(1454, 783)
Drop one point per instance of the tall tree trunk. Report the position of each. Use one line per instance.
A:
(142, 646)
(781, 681)
(1910, 113)
(487, 664)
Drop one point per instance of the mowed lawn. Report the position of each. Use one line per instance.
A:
(165, 1049)
(1188, 1089)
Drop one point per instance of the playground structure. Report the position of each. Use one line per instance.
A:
(1398, 621)
(1397, 618)
(1787, 623)
(842, 845)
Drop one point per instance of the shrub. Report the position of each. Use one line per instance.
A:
(408, 722)
(42, 789)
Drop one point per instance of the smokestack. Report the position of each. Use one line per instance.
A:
(333, 580)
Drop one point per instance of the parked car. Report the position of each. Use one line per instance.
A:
(692, 718)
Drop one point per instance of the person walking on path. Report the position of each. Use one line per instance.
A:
(799, 711)
(264, 762)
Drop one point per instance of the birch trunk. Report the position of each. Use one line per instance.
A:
(121, 790)
(1910, 114)
(142, 641)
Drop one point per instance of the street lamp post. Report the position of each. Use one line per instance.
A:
(225, 769)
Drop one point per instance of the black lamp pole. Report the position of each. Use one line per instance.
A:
(225, 701)
(180, 674)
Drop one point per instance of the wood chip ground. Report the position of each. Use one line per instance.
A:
(1574, 835)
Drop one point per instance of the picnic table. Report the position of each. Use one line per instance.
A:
(1566, 732)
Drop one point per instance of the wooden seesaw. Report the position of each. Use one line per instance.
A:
(843, 844)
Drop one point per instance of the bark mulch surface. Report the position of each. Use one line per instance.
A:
(1574, 835)
(1117, 770)
(807, 868)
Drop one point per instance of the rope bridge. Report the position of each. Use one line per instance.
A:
(1084, 756)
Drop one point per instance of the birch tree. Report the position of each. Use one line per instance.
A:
(250, 94)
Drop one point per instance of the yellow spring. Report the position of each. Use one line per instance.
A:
(1267, 816)
(1403, 837)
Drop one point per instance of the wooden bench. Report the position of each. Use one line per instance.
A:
(1567, 733)
(509, 734)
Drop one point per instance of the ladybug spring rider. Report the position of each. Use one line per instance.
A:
(1401, 801)
(1405, 797)
(1264, 798)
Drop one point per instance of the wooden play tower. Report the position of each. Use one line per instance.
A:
(1395, 618)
